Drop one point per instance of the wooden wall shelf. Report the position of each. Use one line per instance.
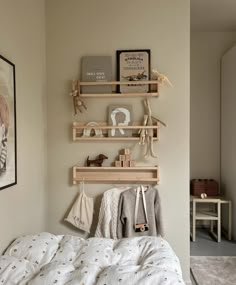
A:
(78, 128)
(126, 175)
(135, 175)
(153, 89)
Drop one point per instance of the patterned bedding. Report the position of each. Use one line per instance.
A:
(46, 259)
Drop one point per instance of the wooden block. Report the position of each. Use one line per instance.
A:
(122, 157)
(118, 163)
(132, 163)
(126, 151)
(128, 157)
(125, 163)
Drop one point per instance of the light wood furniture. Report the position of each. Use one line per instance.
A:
(149, 175)
(136, 174)
(78, 128)
(213, 215)
(153, 89)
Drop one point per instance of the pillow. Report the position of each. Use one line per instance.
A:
(38, 249)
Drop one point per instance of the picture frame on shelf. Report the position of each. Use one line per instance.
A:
(120, 115)
(133, 65)
(96, 69)
(8, 156)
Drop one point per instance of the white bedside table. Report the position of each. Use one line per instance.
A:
(211, 216)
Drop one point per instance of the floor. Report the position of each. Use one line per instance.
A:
(205, 245)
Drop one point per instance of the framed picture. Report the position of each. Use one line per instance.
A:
(133, 65)
(8, 166)
(119, 115)
(97, 69)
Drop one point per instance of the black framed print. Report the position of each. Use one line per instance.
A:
(133, 65)
(8, 165)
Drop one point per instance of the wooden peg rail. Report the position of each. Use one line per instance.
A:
(129, 175)
(153, 89)
(78, 128)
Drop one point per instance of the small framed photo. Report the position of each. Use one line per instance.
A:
(120, 115)
(133, 65)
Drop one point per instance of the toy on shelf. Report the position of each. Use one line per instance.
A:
(77, 101)
(88, 132)
(161, 78)
(125, 159)
(98, 161)
(147, 136)
(143, 132)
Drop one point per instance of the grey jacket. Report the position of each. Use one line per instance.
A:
(126, 209)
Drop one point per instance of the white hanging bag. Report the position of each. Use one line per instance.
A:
(81, 213)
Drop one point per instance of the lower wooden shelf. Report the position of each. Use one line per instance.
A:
(103, 175)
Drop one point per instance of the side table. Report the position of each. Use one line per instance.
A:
(212, 216)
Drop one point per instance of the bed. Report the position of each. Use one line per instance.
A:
(65, 259)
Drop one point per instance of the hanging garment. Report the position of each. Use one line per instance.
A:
(107, 220)
(126, 213)
(81, 213)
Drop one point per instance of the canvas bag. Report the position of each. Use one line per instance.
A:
(81, 213)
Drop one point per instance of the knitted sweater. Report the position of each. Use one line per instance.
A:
(126, 211)
(107, 220)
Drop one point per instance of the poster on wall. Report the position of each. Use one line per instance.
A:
(8, 169)
(133, 66)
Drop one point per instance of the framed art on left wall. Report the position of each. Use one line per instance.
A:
(8, 165)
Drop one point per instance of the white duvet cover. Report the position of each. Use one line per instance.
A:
(46, 259)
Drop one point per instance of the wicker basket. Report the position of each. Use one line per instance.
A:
(208, 186)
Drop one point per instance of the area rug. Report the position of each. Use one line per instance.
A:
(213, 270)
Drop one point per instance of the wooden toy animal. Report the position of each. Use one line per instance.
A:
(98, 161)
(149, 132)
(77, 101)
(161, 78)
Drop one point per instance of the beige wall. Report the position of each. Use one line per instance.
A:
(228, 134)
(22, 35)
(207, 48)
(77, 28)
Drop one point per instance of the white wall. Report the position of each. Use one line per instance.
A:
(228, 134)
(207, 49)
(77, 28)
(22, 34)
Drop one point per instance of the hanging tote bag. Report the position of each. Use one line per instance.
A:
(81, 213)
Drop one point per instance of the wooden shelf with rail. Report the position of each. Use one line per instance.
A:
(79, 127)
(126, 175)
(153, 89)
(137, 175)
